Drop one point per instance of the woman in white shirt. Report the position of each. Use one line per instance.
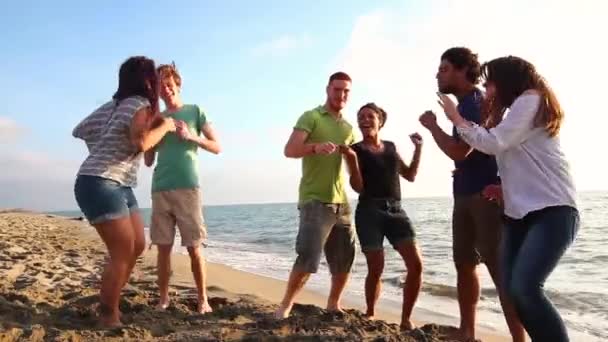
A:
(541, 216)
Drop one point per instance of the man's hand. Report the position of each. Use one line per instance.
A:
(493, 192)
(325, 148)
(428, 119)
(169, 124)
(183, 131)
(347, 151)
(416, 139)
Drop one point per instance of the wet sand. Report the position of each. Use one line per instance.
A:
(49, 278)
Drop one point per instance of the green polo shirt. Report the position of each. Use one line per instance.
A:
(322, 176)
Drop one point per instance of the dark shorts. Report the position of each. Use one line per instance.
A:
(476, 229)
(377, 219)
(101, 199)
(325, 227)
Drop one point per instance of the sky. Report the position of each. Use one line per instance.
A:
(255, 67)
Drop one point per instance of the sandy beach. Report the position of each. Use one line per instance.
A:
(49, 269)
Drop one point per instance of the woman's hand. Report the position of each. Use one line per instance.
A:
(449, 107)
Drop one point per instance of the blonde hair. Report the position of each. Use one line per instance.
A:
(169, 70)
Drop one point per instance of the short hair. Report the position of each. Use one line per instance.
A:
(378, 110)
(462, 57)
(169, 70)
(339, 76)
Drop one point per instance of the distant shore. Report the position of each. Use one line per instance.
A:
(49, 268)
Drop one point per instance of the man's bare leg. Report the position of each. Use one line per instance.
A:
(164, 272)
(197, 264)
(468, 296)
(297, 280)
(338, 282)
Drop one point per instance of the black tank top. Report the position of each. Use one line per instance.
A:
(380, 172)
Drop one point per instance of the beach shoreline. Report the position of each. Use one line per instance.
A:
(50, 266)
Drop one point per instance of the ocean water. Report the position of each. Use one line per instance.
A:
(260, 238)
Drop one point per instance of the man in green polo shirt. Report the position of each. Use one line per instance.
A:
(176, 196)
(319, 137)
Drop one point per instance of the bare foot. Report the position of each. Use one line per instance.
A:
(407, 325)
(108, 318)
(462, 336)
(163, 304)
(203, 307)
(109, 322)
(335, 308)
(282, 312)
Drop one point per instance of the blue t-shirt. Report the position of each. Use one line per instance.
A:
(478, 170)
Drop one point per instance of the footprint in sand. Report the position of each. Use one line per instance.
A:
(58, 277)
(72, 253)
(23, 281)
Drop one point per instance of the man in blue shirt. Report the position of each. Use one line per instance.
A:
(476, 221)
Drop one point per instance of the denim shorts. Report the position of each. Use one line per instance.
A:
(101, 199)
(377, 219)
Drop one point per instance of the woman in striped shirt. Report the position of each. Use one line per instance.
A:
(116, 135)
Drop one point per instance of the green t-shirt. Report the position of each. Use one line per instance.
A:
(322, 176)
(177, 164)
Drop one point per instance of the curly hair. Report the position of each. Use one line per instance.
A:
(378, 110)
(461, 58)
(170, 70)
(512, 76)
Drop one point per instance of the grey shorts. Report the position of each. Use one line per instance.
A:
(476, 229)
(325, 228)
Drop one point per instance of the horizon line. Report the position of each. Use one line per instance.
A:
(275, 203)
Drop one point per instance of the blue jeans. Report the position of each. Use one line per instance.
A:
(101, 199)
(531, 249)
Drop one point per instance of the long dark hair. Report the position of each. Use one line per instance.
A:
(138, 77)
(512, 77)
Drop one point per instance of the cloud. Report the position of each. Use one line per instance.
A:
(9, 130)
(393, 57)
(39, 182)
(35, 181)
(281, 46)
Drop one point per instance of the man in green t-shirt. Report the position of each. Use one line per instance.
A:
(176, 198)
(320, 137)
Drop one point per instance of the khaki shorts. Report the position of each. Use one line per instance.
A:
(325, 228)
(182, 207)
(476, 229)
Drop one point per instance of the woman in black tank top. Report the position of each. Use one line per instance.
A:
(375, 176)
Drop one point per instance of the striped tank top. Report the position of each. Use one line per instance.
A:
(106, 133)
